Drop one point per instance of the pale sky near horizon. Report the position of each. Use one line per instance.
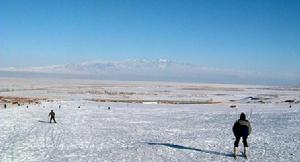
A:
(249, 35)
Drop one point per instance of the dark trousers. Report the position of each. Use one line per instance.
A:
(237, 140)
(52, 118)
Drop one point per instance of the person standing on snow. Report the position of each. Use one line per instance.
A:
(241, 128)
(52, 116)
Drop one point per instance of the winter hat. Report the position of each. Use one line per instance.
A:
(243, 116)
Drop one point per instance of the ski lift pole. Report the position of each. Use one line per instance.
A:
(236, 112)
(250, 113)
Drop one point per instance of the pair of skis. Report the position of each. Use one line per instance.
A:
(245, 155)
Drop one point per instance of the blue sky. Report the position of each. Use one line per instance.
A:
(250, 35)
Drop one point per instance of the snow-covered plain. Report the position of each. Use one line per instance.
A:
(137, 132)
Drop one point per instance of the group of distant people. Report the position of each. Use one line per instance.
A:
(52, 114)
(241, 129)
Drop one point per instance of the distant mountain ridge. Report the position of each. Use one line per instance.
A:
(127, 66)
(151, 70)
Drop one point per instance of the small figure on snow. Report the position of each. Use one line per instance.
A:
(52, 116)
(59, 106)
(241, 128)
(108, 108)
(4, 106)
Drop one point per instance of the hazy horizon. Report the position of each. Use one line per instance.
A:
(148, 70)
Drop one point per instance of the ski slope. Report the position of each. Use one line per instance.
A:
(142, 133)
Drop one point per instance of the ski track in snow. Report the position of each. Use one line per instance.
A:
(150, 133)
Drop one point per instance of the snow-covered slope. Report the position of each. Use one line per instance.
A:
(144, 133)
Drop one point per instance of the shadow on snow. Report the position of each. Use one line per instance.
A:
(42, 121)
(193, 149)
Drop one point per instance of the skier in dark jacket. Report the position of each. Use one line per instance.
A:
(52, 116)
(241, 128)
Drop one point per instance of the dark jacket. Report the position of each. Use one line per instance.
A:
(242, 127)
(52, 114)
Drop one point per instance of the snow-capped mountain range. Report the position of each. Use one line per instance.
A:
(127, 67)
(160, 70)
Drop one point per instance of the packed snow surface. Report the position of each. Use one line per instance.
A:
(141, 133)
(87, 131)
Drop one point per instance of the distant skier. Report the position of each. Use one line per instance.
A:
(4, 106)
(108, 108)
(52, 116)
(241, 128)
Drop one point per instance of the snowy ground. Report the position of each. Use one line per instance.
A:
(139, 132)
(155, 133)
